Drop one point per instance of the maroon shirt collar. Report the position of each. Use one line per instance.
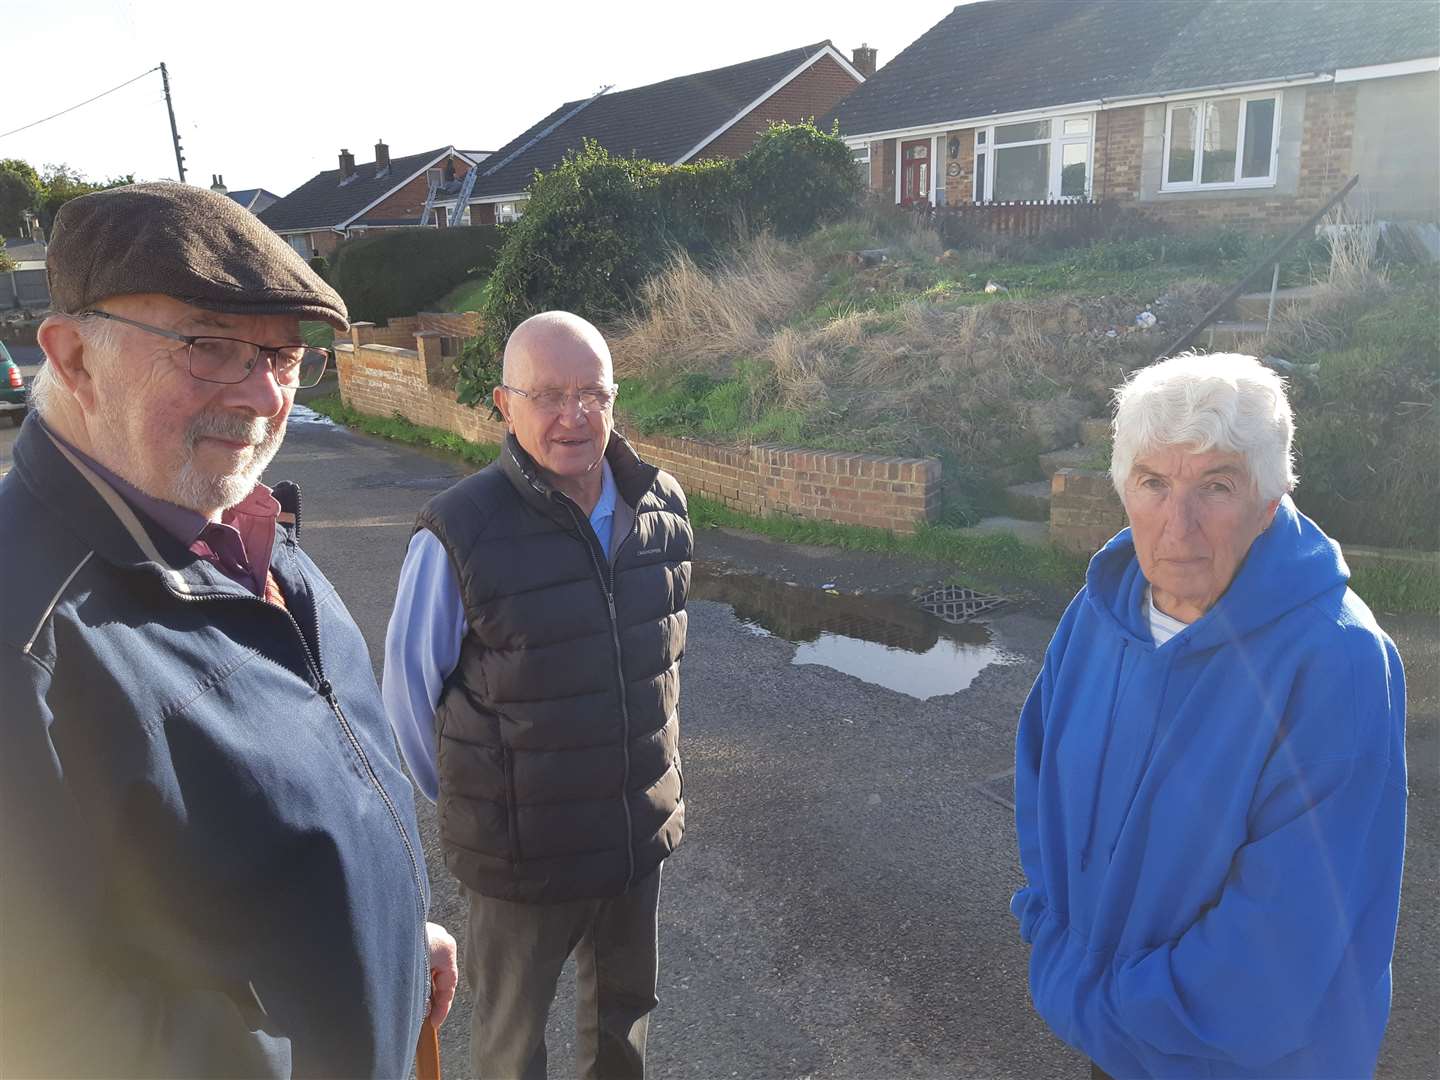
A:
(222, 544)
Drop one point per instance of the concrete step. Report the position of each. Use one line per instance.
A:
(1031, 532)
(1225, 336)
(1029, 501)
(1252, 306)
(1074, 457)
(1095, 432)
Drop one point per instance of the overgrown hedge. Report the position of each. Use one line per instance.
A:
(598, 225)
(399, 271)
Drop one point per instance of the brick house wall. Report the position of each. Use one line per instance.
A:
(1308, 174)
(855, 489)
(1317, 151)
(814, 92)
(407, 201)
(1119, 148)
(959, 188)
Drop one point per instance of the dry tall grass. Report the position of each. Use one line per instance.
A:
(702, 320)
(927, 374)
(1355, 279)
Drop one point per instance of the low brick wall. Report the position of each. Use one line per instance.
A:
(853, 489)
(1085, 511)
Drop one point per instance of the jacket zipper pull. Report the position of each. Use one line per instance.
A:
(326, 691)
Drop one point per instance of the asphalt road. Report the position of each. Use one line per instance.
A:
(839, 907)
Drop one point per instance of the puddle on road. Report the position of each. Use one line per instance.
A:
(885, 640)
(303, 415)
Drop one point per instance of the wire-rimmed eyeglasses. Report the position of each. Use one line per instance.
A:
(227, 360)
(591, 398)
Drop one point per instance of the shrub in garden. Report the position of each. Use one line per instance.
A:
(598, 225)
(399, 271)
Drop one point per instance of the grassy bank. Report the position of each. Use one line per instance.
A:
(402, 430)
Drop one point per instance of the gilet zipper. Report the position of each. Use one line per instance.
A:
(607, 582)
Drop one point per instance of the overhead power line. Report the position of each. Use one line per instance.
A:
(72, 108)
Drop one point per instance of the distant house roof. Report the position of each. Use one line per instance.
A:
(325, 202)
(27, 254)
(1007, 56)
(665, 121)
(246, 197)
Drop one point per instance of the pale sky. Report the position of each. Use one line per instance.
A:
(267, 92)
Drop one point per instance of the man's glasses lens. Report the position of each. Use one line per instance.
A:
(591, 400)
(224, 360)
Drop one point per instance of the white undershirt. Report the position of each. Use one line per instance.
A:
(1162, 626)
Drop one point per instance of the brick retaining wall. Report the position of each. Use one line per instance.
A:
(853, 489)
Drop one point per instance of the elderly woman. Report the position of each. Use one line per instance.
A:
(1210, 770)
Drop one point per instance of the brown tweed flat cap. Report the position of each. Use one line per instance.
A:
(181, 241)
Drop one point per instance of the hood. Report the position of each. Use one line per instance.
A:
(1289, 564)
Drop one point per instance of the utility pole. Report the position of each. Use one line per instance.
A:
(174, 131)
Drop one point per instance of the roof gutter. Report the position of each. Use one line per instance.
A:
(1093, 105)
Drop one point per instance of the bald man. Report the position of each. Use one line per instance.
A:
(532, 677)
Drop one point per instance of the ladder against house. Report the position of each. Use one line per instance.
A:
(466, 187)
(434, 178)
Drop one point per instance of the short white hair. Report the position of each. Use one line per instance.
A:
(1218, 401)
(99, 336)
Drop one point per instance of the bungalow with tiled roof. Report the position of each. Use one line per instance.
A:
(353, 199)
(1192, 111)
(711, 114)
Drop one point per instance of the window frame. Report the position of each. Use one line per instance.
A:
(988, 147)
(1202, 106)
(861, 163)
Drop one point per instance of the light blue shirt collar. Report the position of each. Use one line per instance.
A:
(603, 515)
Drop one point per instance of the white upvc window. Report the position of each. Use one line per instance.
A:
(861, 156)
(1035, 160)
(302, 245)
(508, 211)
(1229, 142)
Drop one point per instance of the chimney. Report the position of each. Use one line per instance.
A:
(347, 164)
(382, 155)
(217, 184)
(864, 60)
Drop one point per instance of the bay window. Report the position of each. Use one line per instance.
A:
(1034, 161)
(1222, 142)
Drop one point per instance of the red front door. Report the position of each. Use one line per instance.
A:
(914, 171)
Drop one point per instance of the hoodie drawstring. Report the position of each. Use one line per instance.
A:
(1104, 755)
(1180, 646)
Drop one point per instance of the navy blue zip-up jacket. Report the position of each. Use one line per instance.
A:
(209, 862)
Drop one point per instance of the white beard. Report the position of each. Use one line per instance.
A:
(202, 491)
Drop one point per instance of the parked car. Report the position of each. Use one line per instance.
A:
(14, 393)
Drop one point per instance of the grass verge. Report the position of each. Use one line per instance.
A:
(402, 430)
(1398, 589)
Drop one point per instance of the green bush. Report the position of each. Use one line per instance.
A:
(795, 178)
(597, 225)
(400, 271)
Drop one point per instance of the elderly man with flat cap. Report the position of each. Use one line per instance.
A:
(532, 675)
(209, 862)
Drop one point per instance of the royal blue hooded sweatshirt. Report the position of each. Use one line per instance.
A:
(1213, 831)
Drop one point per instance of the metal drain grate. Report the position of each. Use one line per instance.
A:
(956, 604)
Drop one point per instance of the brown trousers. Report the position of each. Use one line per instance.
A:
(514, 954)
